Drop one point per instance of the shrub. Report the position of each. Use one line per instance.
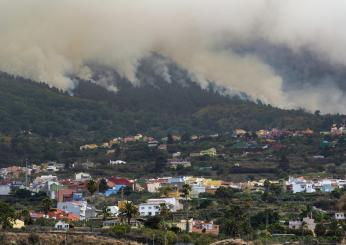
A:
(33, 239)
(120, 230)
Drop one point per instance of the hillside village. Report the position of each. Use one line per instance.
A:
(200, 197)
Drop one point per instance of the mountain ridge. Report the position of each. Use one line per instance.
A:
(40, 123)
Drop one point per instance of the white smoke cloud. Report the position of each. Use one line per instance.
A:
(51, 41)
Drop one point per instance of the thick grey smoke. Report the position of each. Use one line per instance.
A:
(52, 41)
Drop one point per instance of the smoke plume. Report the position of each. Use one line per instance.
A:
(52, 41)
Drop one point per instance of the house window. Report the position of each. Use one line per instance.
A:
(149, 213)
(142, 208)
(149, 207)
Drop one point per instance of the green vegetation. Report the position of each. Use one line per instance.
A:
(7, 215)
(41, 123)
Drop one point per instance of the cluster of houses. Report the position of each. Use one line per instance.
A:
(309, 223)
(300, 184)
(335, 130)
(72, 205)
(125, 140)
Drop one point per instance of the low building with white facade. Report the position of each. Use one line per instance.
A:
(152, 206)
(79, 208)
(61, 225)
(149, 209)
(5, 190)
(113, 211)
(295, 224)
(339, 216)
(82, 176)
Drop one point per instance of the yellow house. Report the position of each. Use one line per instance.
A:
(175, 193)
(121, 204)
(18, 224)
(190, 179)
(262, 133)
(209, 152)
(88, 147)
(138, 137)
(214, 183)
(182, 224)
(240, 132)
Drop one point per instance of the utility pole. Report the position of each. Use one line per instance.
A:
(266, 228)
(122, 194)
(26, 173)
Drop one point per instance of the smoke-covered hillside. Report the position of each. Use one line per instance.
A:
(154, 106)
(41, 123)
(61, 40)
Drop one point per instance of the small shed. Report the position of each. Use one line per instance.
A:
(61, 225)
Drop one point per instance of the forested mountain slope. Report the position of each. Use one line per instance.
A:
(40, 122)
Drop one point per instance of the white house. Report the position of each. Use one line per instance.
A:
(61, 225)
(176, 154)
(117, 162)
(174, 163)
(301, 185)
(82, 176)
(339, 216)
(309, 188)
(152, 206)
(5, 190)
(341, 183)
(295, 224)
(113, 210)
(80, 208)
(196, 189)
(298, 186)
(148, 209)
(153, 186)
(44, 178)
(310, 223)
(52, 167)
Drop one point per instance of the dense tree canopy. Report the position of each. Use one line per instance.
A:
(41, 123)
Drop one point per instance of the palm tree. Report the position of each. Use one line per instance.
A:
(129, 211)
(165, 190)
(25, 214)
(92, 186)
(105, 212)
(165, 211)
(186, 193)
(46, 205)
(186, 190)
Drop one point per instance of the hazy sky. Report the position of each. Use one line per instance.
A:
(52, 40)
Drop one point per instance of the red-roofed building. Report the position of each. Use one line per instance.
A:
(36, 215)
(59, 214)
(64, 195)
(78, 186)
(56, 214)
(122, 181)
